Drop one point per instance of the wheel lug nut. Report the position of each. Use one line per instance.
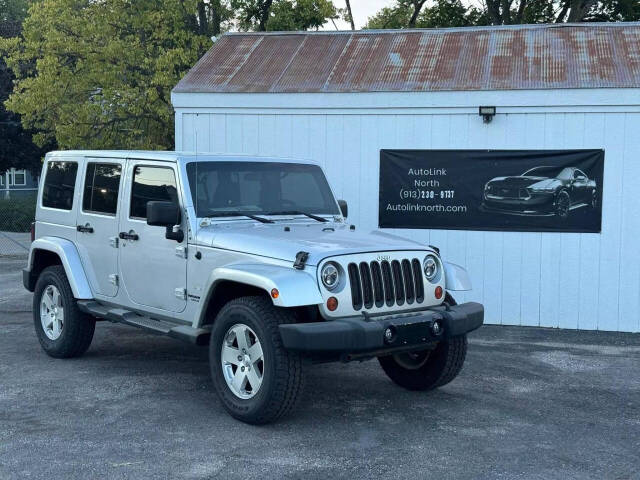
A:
(239, 358)
(242, 369)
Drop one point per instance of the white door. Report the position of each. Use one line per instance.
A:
(97, 223)
(152, 273)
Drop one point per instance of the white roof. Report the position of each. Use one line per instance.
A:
(170, 156)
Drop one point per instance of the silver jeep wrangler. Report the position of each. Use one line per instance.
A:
(250, 256)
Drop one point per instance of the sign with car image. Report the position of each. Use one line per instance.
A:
(508, 190)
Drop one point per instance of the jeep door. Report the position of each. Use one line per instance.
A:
(153, 268)
(97, 223)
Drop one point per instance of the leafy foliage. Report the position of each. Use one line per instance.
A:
(99, 73)
(456, 13)
(282, 15)
(16, 147)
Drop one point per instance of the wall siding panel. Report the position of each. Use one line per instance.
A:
(586, 281)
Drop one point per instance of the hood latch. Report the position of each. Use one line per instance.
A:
(301, 259)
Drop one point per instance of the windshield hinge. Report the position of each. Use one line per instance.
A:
(301, 259)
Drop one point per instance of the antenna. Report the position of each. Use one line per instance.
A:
(197, 180)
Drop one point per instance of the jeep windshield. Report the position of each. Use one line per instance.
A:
(259, 188)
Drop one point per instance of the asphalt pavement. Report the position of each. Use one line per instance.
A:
(529, 404)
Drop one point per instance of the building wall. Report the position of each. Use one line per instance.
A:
(566, 280)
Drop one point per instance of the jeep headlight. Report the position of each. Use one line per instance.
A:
(430, 267)
(330, 276)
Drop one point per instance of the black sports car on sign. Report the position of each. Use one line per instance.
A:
(541, 191)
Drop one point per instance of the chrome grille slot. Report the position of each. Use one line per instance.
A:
(397, 282)
(407, 276)
(387, 281)
(354, 282)
(367, 285)
(417, 279)
(378, 292)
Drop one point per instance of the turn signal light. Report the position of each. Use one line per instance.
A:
(275, 293)
(438, 292)
(332, 303)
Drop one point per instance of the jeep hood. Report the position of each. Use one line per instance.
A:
(318, 239)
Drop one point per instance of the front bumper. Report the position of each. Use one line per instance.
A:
(367, 334)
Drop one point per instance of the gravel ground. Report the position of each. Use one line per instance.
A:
(530, 403)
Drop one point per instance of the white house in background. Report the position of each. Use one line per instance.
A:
(338, 98)
(18, 182)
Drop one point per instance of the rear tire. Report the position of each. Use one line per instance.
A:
(280, 377)
(428, 369)
(62, 329)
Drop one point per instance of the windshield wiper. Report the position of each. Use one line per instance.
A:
(236, 214)
(298, 212)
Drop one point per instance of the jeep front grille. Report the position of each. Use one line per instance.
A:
(391, 283)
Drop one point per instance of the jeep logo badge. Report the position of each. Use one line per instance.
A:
(383, 258)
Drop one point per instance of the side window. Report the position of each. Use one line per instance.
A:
(151, 184)
(101, 185)
(59, 185)
(19, 178)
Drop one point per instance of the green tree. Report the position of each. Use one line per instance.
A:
(455, 13)
(441, 13)
(98, 73)
(274, 15)
(16, 147)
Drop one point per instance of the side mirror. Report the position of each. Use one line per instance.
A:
(343, 208)
(165, 214)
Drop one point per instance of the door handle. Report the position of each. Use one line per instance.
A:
(128, 236)
(84, 228)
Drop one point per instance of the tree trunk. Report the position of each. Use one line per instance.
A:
(353, 26)
(417, 6)
(202, 18)
(493, 8)
(579, 9)
(264, 15)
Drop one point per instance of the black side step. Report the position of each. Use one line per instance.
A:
(197, 336)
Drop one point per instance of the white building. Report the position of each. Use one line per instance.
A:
(339, 98)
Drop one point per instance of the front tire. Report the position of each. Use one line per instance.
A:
(256, 378)
(428, 369)
(63, 330)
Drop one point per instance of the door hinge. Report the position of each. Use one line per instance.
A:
(113, 279)
(181, 251)
(113, 242)
(181, 293)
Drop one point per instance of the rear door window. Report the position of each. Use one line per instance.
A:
(101, 186)
(59, 185)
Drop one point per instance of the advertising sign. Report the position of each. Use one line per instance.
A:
(508, 190)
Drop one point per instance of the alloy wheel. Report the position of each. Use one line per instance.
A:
(242, 361)
(52, 312)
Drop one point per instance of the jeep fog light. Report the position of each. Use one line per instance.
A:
(330, 276)
(332, 303)
(430, 266)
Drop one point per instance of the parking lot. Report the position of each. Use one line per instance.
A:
(530, 403)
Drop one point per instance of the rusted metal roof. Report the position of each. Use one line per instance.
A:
(595, 55)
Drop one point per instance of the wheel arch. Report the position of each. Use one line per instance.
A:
(296, 288)
(47, 251)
